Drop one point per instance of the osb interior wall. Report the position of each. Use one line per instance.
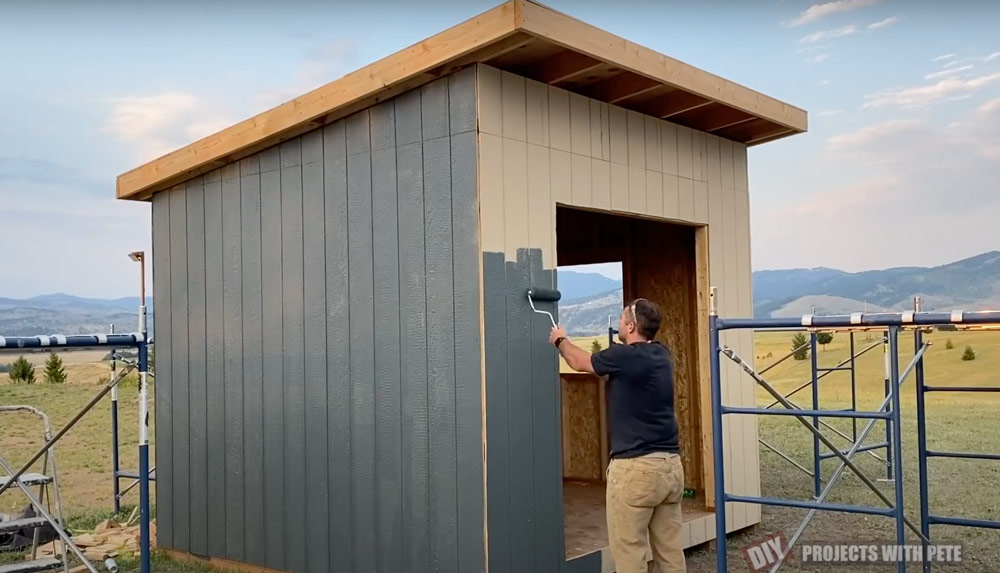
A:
(659, 264)
(540, 146)
(581, 427)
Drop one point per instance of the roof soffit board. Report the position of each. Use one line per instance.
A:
(584, 38)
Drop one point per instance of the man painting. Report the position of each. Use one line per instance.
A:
(645, 480)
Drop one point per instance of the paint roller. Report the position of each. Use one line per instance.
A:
(543, 295)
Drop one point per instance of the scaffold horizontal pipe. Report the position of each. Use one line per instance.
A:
(887, 511)
(804, 413)
(861, 449)
(875, 319)
(963, 521)
(962, 455)
(961, 388)
(69, 341)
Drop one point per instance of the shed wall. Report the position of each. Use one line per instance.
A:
(539, 146)
(318, 347)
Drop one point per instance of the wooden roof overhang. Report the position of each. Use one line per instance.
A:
(519, 36)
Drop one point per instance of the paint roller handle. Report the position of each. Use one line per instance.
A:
(543, 295)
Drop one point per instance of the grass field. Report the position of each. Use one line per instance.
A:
(961, 422)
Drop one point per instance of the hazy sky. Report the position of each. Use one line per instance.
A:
(900, 165)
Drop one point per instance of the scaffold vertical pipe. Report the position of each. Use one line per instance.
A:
(114, 435)
(925, 525)
(854, 389)
(817, 460)
(143, 359)
(721, 557)
(896, 443)
(886, 352)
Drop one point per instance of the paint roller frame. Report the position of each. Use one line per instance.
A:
(543, 295)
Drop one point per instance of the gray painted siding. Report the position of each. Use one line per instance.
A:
(321, 301)
(524, 483)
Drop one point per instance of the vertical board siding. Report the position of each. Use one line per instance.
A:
(285, 440)
(387, 327)
(253, 366)
(633, 164)
(314, 291)
(360, 286)
(162, 390)
(524, 484)
(466, 308)
(215, 366)
(197, 417)
(441, 379)
(413, 332)
(338, 345)
(272, 357)
(180, 369)
(232, 350)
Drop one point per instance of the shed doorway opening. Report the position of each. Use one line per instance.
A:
(664, 262)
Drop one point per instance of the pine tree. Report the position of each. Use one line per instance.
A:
(54, 371)
(22, 372)
(595, 347)
(800, 347)
(948, 345)
(824, 338)
(969, 353)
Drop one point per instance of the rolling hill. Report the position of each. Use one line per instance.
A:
(67, 314)
(968, 284)
(589, 298)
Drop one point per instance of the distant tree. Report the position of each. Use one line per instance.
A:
(969, 353)
(800, 347)
(54, 371)
(824, 338)
(948, 345)
(595, 347)
(22, 372)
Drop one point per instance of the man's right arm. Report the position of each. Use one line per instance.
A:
(608, 362)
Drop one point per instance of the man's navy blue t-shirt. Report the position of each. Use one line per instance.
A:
(640, 397)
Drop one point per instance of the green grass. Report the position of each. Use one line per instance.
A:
(962, 422)
(83, 455)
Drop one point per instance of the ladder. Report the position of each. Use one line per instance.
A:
(48, 488)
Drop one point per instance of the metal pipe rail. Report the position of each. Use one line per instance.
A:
(894, 323)
(884, 319)
(923, 454)
(14, 343)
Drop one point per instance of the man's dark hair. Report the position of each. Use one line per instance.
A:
(646, 316)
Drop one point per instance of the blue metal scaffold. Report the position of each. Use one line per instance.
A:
(55, 342)
(888, 411)
(140, 342)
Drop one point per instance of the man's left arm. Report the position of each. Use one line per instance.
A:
(577, 358)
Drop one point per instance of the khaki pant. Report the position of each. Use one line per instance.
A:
(644, 513)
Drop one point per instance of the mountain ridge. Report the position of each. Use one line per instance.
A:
(588, 298)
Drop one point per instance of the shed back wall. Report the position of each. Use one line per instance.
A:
(318, 347)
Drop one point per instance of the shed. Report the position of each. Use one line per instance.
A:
(349, 375)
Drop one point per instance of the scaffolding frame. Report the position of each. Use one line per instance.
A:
(817, 373)
(889, 411)
(89, 341)
(117, 474)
